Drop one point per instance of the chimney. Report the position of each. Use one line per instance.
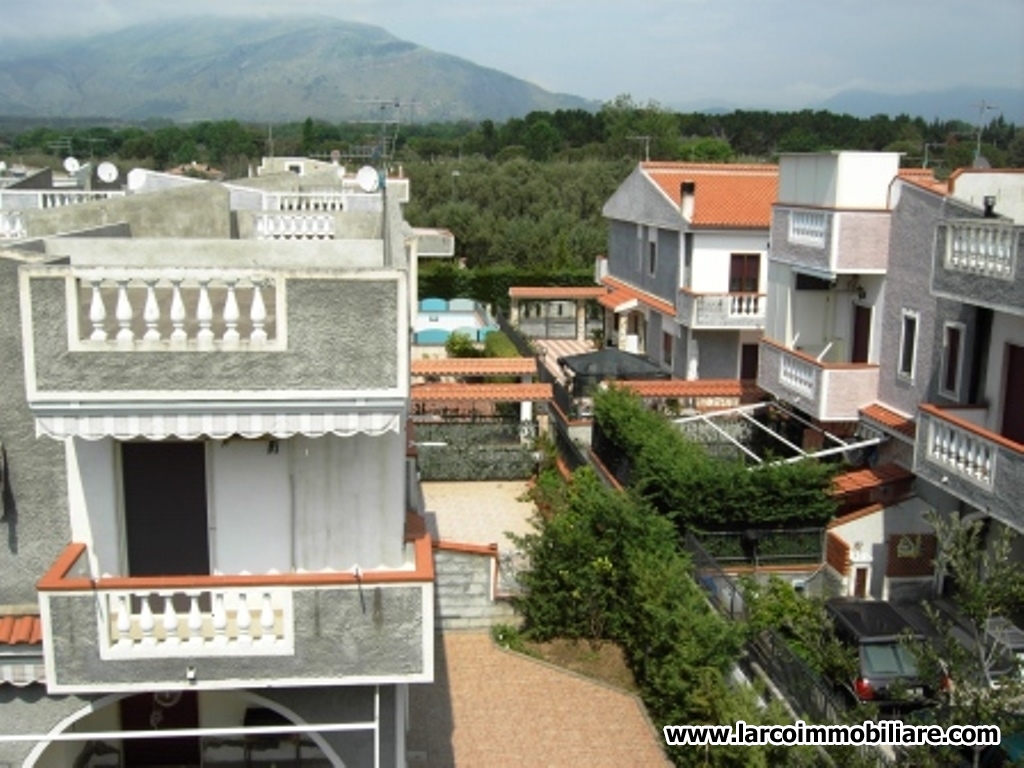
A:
(687, 190)
(990, 206)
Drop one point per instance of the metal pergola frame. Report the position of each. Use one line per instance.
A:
(745, 411)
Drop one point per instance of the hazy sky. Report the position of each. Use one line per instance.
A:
(773, 53)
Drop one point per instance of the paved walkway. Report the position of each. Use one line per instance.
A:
(492, 708)
(478, 513)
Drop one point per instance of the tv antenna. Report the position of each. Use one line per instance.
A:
(647, 145)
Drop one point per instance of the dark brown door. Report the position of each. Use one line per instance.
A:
(861, 333)
(165, 508)
(748, 361)
(1013, 394)
(156, 712)
(860, 583)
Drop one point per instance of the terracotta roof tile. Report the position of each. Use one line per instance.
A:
(500, 393)
(622, 292)
(556, 292)
(737, 196)
(924, 177)
(697, 388)
(890, 419)
(872, 477)
(20, 630)
(475, 366)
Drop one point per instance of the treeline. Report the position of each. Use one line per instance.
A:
(621, 129)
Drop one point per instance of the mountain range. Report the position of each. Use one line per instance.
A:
(284, 70)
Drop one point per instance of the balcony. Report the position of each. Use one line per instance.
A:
(722, 310)
(208, 632)
(34, 199)
(830, 242)
(294, 226)
(825, 390)
(266, 331)
(12, 226)
(978, 466)
(976, 261)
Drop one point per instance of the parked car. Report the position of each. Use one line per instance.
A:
(884, 640)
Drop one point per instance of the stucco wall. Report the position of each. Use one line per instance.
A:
(463, 591)
(342, 334)
(719, 354)
(625, 264)
(337, 635)
(35, 527)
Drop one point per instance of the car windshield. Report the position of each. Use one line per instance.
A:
(888, 660)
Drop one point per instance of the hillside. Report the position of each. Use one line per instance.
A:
(258, 70)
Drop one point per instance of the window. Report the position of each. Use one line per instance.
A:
(808, 227)
(952, 354)
(667, 342)
(908, 345)
(652, 256)
(744, 272)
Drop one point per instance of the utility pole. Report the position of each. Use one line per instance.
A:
(983, 107)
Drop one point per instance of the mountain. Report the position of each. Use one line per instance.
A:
(257, 70)
(960, 103)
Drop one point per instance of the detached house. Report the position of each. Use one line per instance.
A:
(213, 548)
(687, 264)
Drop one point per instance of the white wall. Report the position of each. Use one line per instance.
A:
(1006, 329)
(349, 501)
(93, 501)
(250, 507)
(1008, 188)
(711, 258)
(778, 310)
(852, 180)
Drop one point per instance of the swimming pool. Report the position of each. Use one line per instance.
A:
(437, 319)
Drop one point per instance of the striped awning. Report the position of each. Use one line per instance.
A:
(219, 426)
(22, 673)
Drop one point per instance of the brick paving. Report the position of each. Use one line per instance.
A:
(493, 708)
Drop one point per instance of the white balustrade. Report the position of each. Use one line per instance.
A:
(305, 202)
(153, 623)
(726, 309)
(176, 309)
(798, 375)
(982, 248)
(294, 226)
(12, 227)
(746, 305)
(961, 451)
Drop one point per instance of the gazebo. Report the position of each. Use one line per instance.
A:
(607, 363)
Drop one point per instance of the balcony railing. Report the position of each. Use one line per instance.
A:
(216, 621)
(32, 199)
(185, 309)
(294, 226)
(982, 247)
(305, 202)
(962, 449)
(12, 227)
(828, 391)
(723, 310)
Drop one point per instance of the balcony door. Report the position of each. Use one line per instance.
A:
(165, 508)
(744, 272)
(861, 333)
(1013, 401)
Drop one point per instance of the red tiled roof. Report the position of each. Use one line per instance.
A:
(890, 419)
(556, 292)
(872, 477)
(737, 196)
(697, 388)
(475, 366)
(20, 630)
(923, 177)
(621, 293)
(497, 393)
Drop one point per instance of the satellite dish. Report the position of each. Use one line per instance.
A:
(136, 179)
(367, 179)
(107, 172)
(71, 164)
